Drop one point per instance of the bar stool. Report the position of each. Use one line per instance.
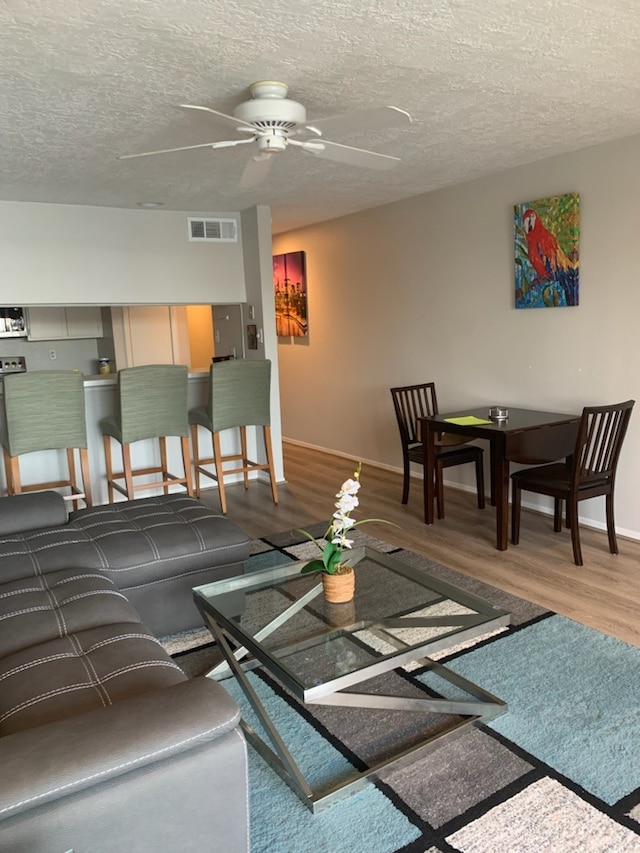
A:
(152, 403)
(239, 396)
(45, 410)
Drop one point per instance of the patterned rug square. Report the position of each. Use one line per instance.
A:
(574, 701)
(558, 772)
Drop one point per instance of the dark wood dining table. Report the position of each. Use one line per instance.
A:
(526, 436)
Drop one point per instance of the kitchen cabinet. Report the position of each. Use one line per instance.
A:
(84, 322)
(54, 323)
(46, 324)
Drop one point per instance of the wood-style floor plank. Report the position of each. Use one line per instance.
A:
(604, 593)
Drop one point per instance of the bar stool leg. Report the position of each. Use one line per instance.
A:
(71, 462)
(186, 461)
(163, 461)
(217, 457)
(14, 475)
(245, 461)
(8, 470)
(267, 445)
(106, 440)
(128, 477)
(196, 458)
(86, 482)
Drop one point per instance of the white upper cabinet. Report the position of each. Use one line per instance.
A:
(84, 322)
(60, 323)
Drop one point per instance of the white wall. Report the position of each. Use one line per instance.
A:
(256, 230)
(70, 254)
(422, 290)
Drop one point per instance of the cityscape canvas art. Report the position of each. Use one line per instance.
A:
(290, 285)
(547, 261)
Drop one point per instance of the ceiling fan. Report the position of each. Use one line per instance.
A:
(273, 122)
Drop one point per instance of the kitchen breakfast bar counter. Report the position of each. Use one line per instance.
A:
(101, 401)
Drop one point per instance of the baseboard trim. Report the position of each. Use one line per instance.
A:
(374, 464)
(584, 522)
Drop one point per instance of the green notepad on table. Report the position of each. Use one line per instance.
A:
(468, 420)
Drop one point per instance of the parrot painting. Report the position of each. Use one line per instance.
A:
(548, 260)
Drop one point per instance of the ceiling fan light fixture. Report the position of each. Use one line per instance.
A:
(272, 143)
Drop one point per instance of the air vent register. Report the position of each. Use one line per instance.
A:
(213, 230)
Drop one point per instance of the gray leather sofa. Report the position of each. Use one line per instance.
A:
(105, 744)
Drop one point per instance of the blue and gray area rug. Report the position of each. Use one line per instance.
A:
(559, 772)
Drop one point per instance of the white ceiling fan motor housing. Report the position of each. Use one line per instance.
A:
(272, 113)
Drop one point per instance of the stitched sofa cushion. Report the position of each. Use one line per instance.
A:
(45, 607)
(20, 513)
(133, 542)
(80, 672)
(148, 540)
(29, 554)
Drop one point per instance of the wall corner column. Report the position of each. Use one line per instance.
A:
(258, 273)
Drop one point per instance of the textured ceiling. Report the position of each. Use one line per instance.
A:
(489, 84)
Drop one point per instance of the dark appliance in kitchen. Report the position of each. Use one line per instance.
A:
(12, 323)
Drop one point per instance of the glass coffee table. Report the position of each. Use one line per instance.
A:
(278, 619)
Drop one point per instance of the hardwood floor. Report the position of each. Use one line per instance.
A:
(604, 593)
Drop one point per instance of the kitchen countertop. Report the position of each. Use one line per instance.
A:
(110, 378)
(106, 380)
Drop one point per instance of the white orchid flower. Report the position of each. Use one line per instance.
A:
(342, 541)
(347, 503)
(349, 487)
(342, 521)
(335, 539)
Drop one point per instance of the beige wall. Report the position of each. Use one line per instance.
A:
(53, 253)
(423, 290)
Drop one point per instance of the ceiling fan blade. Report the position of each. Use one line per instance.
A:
(307, 144)
(227, 143)
(256, 170)
(170, 150)
(376, 118)
(354, 156)
(234, 122)
(231, 143)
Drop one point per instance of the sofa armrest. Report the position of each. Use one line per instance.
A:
(56, 760)
(32, 511)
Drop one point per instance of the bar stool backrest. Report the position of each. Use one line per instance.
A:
(44, 410)
(240, 394)
(152, 401)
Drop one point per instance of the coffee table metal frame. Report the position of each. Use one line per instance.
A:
(251, 654)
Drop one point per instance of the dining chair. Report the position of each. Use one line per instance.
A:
(590, 472)
(412, 402)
